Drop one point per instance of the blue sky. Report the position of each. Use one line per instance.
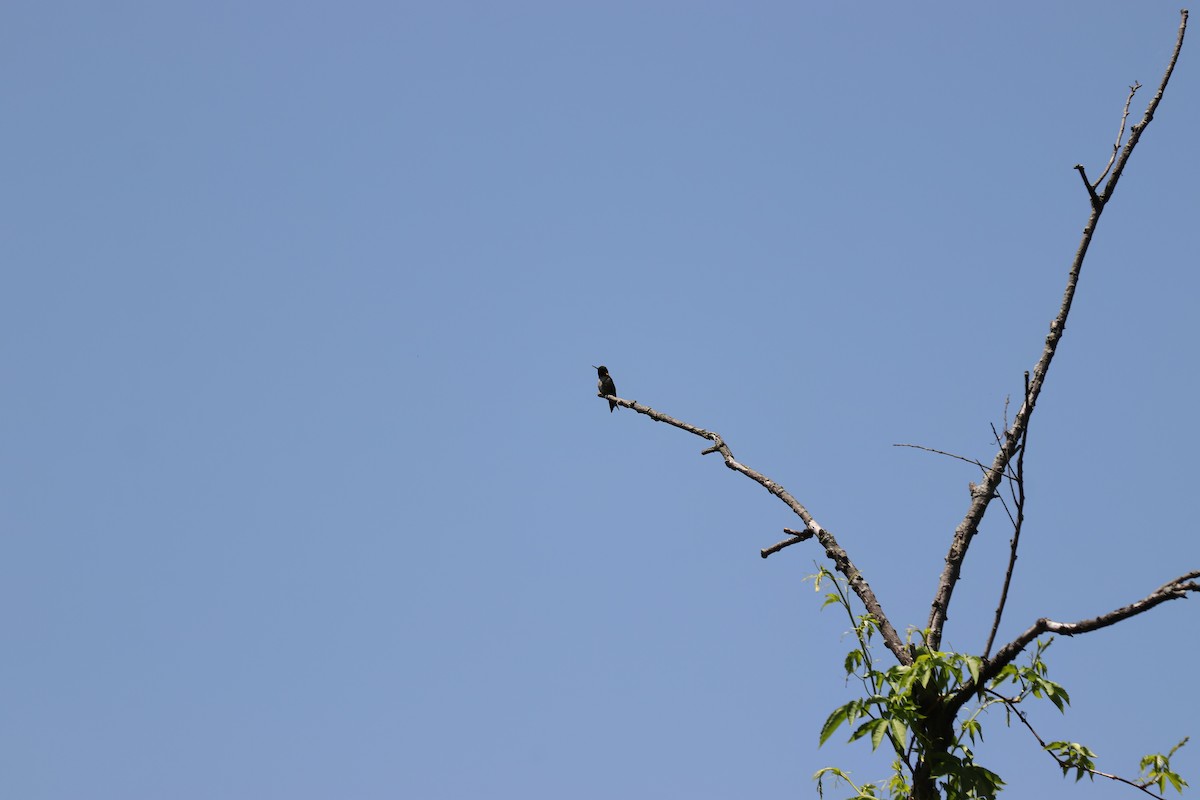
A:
(307, 490)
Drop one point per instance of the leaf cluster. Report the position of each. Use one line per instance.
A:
(916, 709)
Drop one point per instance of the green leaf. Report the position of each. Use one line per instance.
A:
(899, 732)
(922, 670)
(973, 728)
(819, 777)
(1007, 674)
(863, 730)
(835, 719)
(880, 730)
(974, 665)
(897, 785)
(1055, 693)
(818, 577)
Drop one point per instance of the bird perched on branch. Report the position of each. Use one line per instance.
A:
(606, 385)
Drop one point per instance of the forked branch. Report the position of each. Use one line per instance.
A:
(980, 500)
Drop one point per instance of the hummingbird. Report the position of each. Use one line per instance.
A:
(606, 385)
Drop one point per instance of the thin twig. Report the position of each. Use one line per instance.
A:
(1065, 765)
(1000, 442)
(1008, 511)
(833, 550)
(980, 500)
(1120, 134)
(1135, 133)
(1019, 502)
(951, 455)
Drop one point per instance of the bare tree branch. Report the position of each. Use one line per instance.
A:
(1172, 590)
(833, 550)
(795, 538)
(1091, 190)
(1091, 185)
(1135, 133)
(966, 530)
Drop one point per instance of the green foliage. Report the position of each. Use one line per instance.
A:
(1033, 680)
(891, 712)
(1073, 756)
(962, 777)
(865, 792)
(911, 708)
(1155, 770)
